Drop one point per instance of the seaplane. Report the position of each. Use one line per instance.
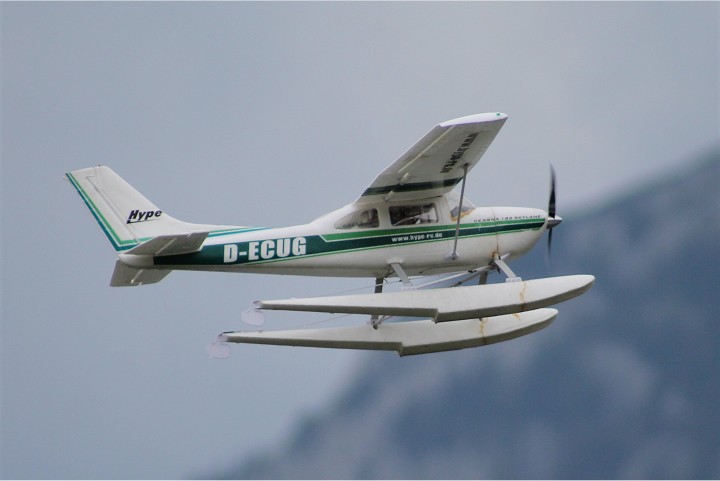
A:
(412, 226)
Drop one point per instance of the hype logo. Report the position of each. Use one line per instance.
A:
(142, 216)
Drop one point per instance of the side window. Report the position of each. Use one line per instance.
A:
(413, 214)
(359, 219)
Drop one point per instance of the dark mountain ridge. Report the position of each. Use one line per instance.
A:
(624, 384)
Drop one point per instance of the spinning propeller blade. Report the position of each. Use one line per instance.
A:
(551, 203)
(553, 218)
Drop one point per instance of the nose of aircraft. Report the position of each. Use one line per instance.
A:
(553, 221)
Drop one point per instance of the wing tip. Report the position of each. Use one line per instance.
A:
(476, 119)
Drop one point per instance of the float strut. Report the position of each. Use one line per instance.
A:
(375, 319)
(407, 284)
(511, 277)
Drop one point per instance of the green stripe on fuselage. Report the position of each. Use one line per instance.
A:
(275, 250)
(464, 228)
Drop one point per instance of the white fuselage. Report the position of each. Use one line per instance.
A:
(364, 240)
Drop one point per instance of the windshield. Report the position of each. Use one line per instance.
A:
(359, 219)
(453, 199)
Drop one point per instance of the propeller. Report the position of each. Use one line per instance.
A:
(553, 218)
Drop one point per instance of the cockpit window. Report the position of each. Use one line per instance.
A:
(359, 219)
(413, 214)
(453, 199)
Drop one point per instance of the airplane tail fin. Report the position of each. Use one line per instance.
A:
(126, 216)
(134, 225)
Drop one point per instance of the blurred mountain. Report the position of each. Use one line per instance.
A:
(624, 384)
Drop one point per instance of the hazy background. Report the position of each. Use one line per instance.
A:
(272, 114)
(622, 385)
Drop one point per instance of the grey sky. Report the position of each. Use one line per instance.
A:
(272, 114)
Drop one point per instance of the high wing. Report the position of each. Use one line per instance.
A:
(434, 165)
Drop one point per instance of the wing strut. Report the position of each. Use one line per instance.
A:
(453, 255)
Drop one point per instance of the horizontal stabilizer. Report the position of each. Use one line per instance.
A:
(447, 304)
(406, 338)
(168, 245)
(125, 275)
